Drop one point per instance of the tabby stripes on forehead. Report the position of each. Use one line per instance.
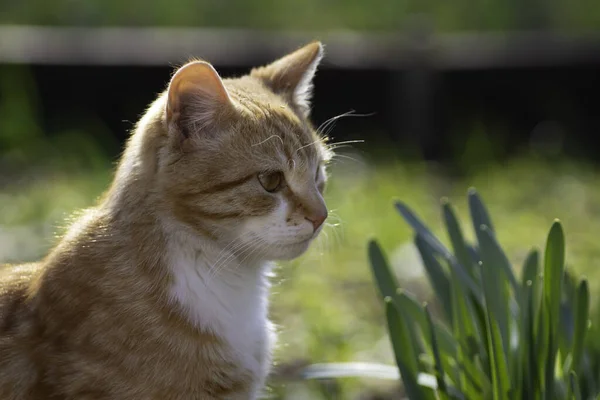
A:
(248, 102)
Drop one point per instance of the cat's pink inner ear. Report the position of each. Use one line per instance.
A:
(195, 94)
(292, 75)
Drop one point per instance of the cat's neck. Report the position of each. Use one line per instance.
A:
(218, 290)
(218, 261)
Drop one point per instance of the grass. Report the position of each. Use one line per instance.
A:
(325, 302)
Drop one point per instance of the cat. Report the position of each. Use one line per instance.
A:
(161, 290)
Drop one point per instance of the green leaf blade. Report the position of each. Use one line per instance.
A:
(385, 280)
(439, 369)
(404, 352)
(437, 276)
(412, 308)
(495, 287)
(582, 310)
(554, 264)
(457, 238)
(497, 353)
(479, 213)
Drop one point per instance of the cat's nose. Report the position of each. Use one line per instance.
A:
(317, 220)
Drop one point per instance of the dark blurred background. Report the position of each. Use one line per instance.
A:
(502, 95)
(427, 92)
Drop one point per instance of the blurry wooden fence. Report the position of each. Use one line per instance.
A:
(415, 57)
(230, 47)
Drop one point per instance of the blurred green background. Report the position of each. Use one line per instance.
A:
(462, 15)
(522, 134)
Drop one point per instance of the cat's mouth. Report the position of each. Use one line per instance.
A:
(316, 233)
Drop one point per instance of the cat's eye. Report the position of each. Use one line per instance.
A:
(271, 181)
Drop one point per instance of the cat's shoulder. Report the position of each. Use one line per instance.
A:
(16, 277)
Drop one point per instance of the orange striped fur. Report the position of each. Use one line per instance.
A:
(160, 291)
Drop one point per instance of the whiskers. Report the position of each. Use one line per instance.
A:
(338, 158)
(333, 147)
(234, 250)
(326, 127)
(260, 243)
(269, 138)
(331, 236)
(344, 144)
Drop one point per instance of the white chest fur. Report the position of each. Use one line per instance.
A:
(226, 298)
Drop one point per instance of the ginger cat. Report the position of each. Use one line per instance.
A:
(161, 291)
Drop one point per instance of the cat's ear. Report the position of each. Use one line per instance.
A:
(196, 98)
(292, 75)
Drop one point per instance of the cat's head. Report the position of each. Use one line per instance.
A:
(243, 164)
